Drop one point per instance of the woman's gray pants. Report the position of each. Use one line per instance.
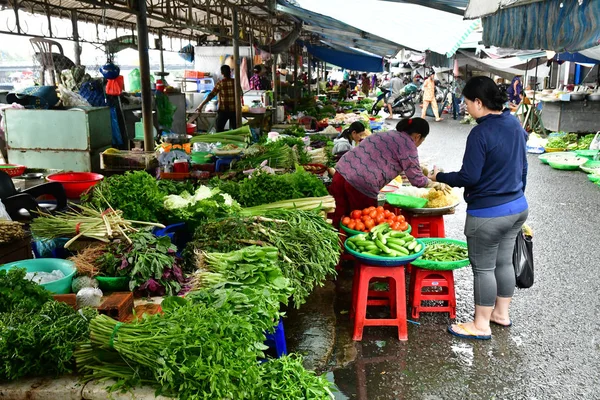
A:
(491, 243)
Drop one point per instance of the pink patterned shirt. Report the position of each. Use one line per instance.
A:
(378, 160)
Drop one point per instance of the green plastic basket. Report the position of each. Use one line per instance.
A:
(544, 158)
(563, 165)
(113, 284)
(60, 286)
(352, 232)
(589, 154)
(403, 201)
(386, 261)
(439, 265)
(594, 178)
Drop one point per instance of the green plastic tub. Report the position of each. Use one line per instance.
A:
(201, 157)
(385, 261)
(402, 201)
(567, 164)
(441, 265)
(61, 286)
(352, 232)
(594, 178)
(544, 158)
(589, 154)
(113, 284)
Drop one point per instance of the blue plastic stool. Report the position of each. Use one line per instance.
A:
(224, 161)
(277, 340)
(178, 234)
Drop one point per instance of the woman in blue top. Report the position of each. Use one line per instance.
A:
(493, 173)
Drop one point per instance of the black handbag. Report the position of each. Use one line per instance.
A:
(523, 261)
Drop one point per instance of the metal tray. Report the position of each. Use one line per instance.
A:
(432, 211)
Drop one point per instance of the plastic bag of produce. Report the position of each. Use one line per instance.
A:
(536, 144)
(596, 142)
(3, 214)
(523, 260)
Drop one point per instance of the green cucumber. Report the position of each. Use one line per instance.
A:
(412, 245)
(398, 234)
(363, 243)
(382, 246)
(409, 238)
(398, 248)
(400, 242)
(381, 238)
(418, 248)
(351, 245)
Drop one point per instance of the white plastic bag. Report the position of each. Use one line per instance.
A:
(3, 214)
(596, 142)
(536, 144)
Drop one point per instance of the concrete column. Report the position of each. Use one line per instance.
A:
(236, 61)
(142, 33)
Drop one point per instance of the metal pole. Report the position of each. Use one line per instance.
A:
(162, 56)
(318, 77)
(274, 73)
(309, 74)
(76, 37)
(537, 61)
(236, 62)
(142, 33)
(295, 76)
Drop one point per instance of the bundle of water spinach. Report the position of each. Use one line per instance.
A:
(384, 242)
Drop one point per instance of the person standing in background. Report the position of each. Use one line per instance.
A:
(225, 89)
(395, 86)
(352, 82)
(429, 98)
(365, 85)
(373, 81)
(514, 90)
(457, 87)
(256, 81)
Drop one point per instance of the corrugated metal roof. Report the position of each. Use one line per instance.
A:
(339, 33)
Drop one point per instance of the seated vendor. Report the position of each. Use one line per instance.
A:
(348, 139)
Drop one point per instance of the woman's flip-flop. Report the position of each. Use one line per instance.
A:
(502, 325)
(469, 335)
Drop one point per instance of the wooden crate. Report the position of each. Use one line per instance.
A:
(118, 305)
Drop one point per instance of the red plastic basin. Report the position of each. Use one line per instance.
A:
(75, 183)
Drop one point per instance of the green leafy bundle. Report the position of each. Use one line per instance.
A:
(19, 294)
(149, 262)
(277, 154)
(41, 342)
(585, 142)
(298, 146)
(138, 194)
(308, 246)
(263, 188)
(295, 130)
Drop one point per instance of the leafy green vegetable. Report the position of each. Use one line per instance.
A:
(263, 188)
(585, 142)
(41, 342)
(295, 130)
(149, 262)
(19, 294)
(138, 194)
(277, 154)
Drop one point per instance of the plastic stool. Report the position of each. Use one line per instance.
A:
(425, 278)
(178, 233)
(426, 226)
(277, 340)
(395, 298)
(223, 161)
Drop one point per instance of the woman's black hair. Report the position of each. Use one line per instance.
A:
(486, 90)
(413, 125)
(257, 69)
(356, 126)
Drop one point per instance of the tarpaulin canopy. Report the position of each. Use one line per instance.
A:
(483, 8)
(411, 26)
(556, 25)
(504, 67)
(347, 60)
(574, 57)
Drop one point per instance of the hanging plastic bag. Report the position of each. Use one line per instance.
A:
(135, 84)
(523, 260)
(595, 145)
(3, 213)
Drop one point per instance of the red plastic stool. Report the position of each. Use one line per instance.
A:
(395, 297)
(425, 278)
(426, 226)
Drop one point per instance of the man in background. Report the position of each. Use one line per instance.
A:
(225, 89)
(396, 85)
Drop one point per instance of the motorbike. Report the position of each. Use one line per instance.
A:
(403, 105)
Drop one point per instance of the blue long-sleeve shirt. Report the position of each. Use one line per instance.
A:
(494, 169)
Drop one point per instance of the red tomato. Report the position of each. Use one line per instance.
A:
(404, 226)
(380, 219)
(373, 214)
(369, 224)
(380, 209)
(346, 221)
(356, 214)
(372, 209)
(401, 218)
(351, 224)
(395, 226)
(365, 211)
(360, 226)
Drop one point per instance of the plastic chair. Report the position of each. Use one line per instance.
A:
(426, 226)
(442, 281)
(48, 59)
(15, 201)
(395, 298)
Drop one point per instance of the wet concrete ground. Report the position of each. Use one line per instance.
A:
(553, 349)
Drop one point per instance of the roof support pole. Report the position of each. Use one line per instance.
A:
(161, 54)
(142, 34)
(318, 77)
(295, 76)
(309, 73)
(76, 37)
(274, 73)
(237, 63)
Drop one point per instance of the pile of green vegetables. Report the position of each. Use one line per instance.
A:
(308, 246)
(298, 146)
(585, 142)
(277, 154)
(38, 335)
(138, 194)
(295, 130)
(445, 252)
(149, 261)
(564, 141)
(382, 241)
(263, 188)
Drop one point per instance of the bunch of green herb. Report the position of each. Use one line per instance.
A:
(295, 130)
(286, 378)
(277, 154)
(263, 188)
(585, 142)
(137, 194)
(41, 342)
(319, 141)
(298, 146)
(18, 293)
(308, 246)
(150, 263)
(192, 351)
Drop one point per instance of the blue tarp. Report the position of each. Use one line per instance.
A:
(556, 25)
(574, 57)
(350, 61)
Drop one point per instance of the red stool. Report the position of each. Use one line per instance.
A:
(395, 297)
(425, 278)
(426, 226)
